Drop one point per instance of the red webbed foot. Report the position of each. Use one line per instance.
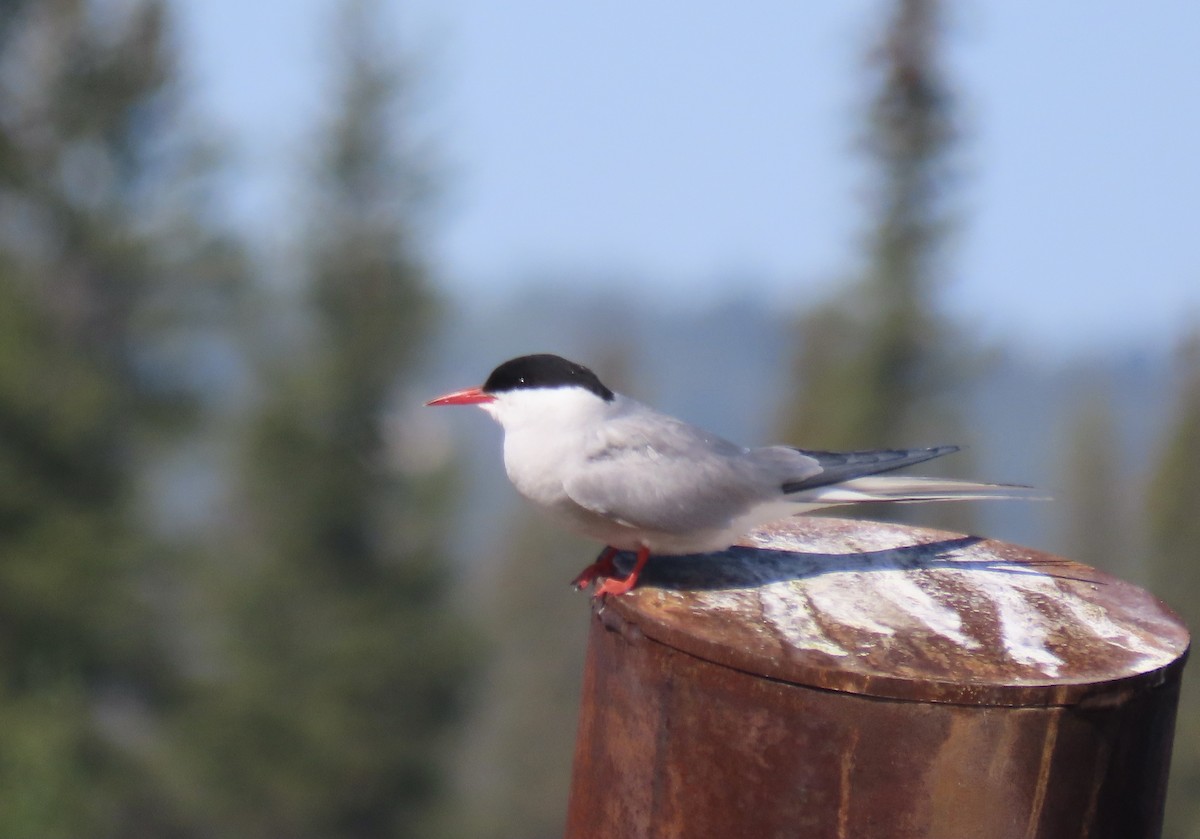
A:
(602, 567)
(615, 586)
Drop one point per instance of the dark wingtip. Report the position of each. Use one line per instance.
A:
(842, 466)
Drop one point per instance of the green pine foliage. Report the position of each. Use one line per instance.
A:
(340, 665)
(877, 365)
(1174, 493)
(1173, 522)
(291, 667)
(874, 365)
(100, 277)
(515, 770)
(1094, 502)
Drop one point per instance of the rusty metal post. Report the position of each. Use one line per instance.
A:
(864, 681)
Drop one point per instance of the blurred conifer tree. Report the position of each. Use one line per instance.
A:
(1095, 499)
(516, 771)
(1173, 516)
(109, 276)
(343, 665)
(874, 364)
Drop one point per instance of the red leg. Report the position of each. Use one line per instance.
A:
(602, 567)
(614, 586)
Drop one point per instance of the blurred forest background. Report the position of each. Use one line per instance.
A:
(249, 588)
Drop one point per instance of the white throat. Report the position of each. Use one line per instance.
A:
(547, 431)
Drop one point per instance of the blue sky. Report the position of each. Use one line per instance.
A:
(694, 151)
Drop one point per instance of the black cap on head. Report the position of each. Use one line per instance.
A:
(544, 370)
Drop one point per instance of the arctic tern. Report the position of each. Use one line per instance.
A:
(612, 469)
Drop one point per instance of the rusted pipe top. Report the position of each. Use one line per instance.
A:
(907, 613)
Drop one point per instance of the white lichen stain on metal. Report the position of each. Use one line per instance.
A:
(848, 598)
(791, 619)
(881, 601)
(727, 600)
(1023, 628)
(900, 588)
(1147, 652)
(882, 586)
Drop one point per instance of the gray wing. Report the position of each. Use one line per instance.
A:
(652, 471)
(835, 467)
(655, 472)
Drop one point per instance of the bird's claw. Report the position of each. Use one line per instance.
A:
(602, 567)
(615, 586)
(583, 580)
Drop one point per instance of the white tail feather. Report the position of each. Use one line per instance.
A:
(900, 489)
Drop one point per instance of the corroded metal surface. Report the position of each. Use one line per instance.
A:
(904, 612)
(876, 682)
